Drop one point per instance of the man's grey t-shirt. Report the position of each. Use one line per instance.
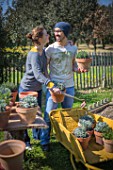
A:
(60, 65)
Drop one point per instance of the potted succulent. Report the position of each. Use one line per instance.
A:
(87, 125)
(27, 109)
(14, 90)
(82, 136)
(58, 98)
(108, 140)
(87, 118)
(83, 60)
(5, 109)
(100, 128)
(88, 122)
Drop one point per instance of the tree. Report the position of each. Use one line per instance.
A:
(97, 26)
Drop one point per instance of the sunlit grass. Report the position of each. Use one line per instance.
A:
(108, 48)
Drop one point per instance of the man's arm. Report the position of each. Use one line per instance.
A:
(74, 66)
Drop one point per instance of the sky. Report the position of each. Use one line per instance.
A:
(9, 2)
(5, 4)
(105, 2)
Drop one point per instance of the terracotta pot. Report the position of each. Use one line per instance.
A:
(108, 145)
(11, 154)
(98, 137)
(24, 94)
(57, 98)
(84, 142)
(14, 95)
(4, 117)
(84, 64)
(27, 115)
(90, 132)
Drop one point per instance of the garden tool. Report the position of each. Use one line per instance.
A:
(68, 95)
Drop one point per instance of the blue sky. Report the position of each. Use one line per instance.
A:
(105, 2)
(9, 2)
(5, 4)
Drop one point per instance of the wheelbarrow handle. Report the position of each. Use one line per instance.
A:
(82, 100)
(68, 95)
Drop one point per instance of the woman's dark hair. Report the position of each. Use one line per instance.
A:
(37, 33)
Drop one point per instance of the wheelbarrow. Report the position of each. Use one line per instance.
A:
(64, 121)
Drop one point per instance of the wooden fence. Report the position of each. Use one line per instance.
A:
(12, 68)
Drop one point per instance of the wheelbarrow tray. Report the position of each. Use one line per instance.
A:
(64, 122)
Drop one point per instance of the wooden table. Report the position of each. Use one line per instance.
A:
(15, 129)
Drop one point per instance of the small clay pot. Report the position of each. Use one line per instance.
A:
(57, 98)
(108, 145)
(84, 142)
(84, 63)
(11, 154)
(27, 115)
(4, 117)
(14, 95)
(98, 137)
(26, 93)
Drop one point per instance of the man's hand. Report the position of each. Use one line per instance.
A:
(56, 90)
(78, 70)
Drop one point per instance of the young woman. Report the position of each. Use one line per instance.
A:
(36, 70)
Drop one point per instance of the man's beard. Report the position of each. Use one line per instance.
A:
(59, 39)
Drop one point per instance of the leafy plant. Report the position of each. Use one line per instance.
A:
(108, 134)
(3, 105)
(80, 132)
(87, 117)
(5, 94)
(60, 85)
(87, 122)
(13, 87)
(82, 54)
(101, 127)
(28, 102)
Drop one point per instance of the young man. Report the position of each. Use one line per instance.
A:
(61, 60)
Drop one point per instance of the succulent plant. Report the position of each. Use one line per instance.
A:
(5, 94)
(28, 102)
(80, 132)
(108, 134)
(60, 85)
(3, 105)
(87, 117)
(82, 54)
(13, 87)
(86, 122)
(101, 127)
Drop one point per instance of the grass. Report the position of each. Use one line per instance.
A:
(93, 95)
(108, 48)
(38, 160)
